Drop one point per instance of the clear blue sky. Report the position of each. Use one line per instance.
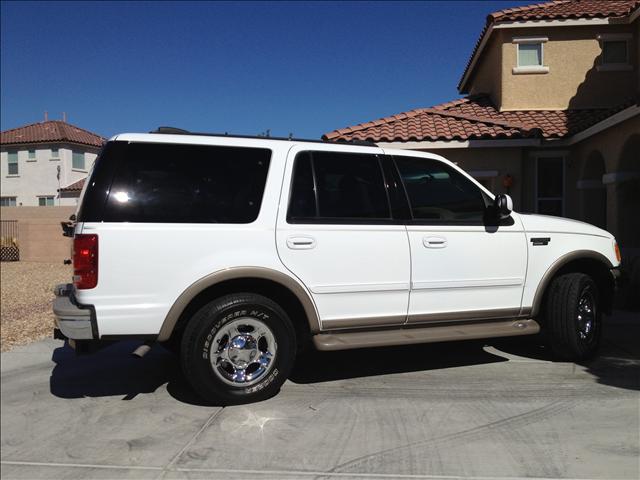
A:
(305, 68)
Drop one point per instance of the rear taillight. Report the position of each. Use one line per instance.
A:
(85, 261)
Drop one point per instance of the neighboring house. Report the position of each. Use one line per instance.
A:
(551, 116)
(38, 161)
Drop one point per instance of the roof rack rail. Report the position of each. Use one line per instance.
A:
(170, 130)
(180, 131)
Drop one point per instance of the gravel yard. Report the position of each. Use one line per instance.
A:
(27, 293)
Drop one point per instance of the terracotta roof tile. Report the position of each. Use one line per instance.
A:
(559, 9)
(473, 118)
(74, 187)
(567, 9)
(50, 131)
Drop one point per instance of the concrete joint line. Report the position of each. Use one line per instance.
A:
(297, 473)
(209, 421)
(77, 465)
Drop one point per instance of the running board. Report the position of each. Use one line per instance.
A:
(406, 336)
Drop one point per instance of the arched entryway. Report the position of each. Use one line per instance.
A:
(593, 195)
(627, 183)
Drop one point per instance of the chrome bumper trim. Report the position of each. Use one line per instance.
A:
(74, 322)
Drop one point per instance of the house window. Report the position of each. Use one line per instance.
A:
(530, 55)
(13, 162)
(8, 201)
(45, 201)
(78, 161)
(485, 178)
(550, 186)
(32, 156)
(486, 183)
(55, 153)
(615, 51)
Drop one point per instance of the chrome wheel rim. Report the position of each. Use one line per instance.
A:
(243, 352)
(586, 314)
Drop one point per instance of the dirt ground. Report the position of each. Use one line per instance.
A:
(27, 293)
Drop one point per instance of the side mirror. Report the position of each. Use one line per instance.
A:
(503, 205)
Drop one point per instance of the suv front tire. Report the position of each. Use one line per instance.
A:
(238, 348)
(573, 317)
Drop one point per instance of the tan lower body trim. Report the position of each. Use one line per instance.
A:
(406, 336)
(468, 315)
(363, 322)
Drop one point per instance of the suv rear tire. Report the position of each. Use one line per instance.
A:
(573, 317)
(238, 348)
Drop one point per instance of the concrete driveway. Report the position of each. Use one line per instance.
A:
(467, 410)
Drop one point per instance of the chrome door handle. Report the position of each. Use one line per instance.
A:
(434, 242)
(301, 243)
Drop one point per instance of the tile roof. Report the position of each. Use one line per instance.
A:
(75, 186)
(564, 9)
(473, 118)
(555, 10)
(50, 131)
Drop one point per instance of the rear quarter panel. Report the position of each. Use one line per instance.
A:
(144, 267)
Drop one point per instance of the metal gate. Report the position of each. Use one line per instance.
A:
(9, 246)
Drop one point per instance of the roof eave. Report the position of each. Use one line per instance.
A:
(467, 73)
(46, 142)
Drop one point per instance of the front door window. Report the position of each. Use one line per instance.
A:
(440, 195)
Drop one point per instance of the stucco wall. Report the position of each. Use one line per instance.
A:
(39, 177)
(573, 81)
(619, 147)
(39, 232)
(487, 76)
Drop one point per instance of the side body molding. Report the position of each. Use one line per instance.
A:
(556, 266)
(238, 273)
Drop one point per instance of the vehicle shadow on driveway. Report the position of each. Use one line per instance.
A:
(315, 366)
(617, 363)
(113, 371)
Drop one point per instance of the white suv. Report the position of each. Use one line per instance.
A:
(236, 251)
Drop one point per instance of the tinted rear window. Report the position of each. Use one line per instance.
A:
(172, 183)
(337, 186)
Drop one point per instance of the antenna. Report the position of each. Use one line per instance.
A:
(46, 116)
(64, 117)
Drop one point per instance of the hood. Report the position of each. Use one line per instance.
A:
(546, 223)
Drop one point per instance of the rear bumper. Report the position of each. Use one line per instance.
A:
(76, 322)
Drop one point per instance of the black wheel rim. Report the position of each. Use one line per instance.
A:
(586, 314)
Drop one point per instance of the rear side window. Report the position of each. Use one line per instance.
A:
(174, 183)
(440, 194)
(334, 187)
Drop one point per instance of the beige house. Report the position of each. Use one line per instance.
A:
(41, 164)
(551, 114)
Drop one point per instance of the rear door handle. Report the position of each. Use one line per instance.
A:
(434, 242)
(301, 243)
